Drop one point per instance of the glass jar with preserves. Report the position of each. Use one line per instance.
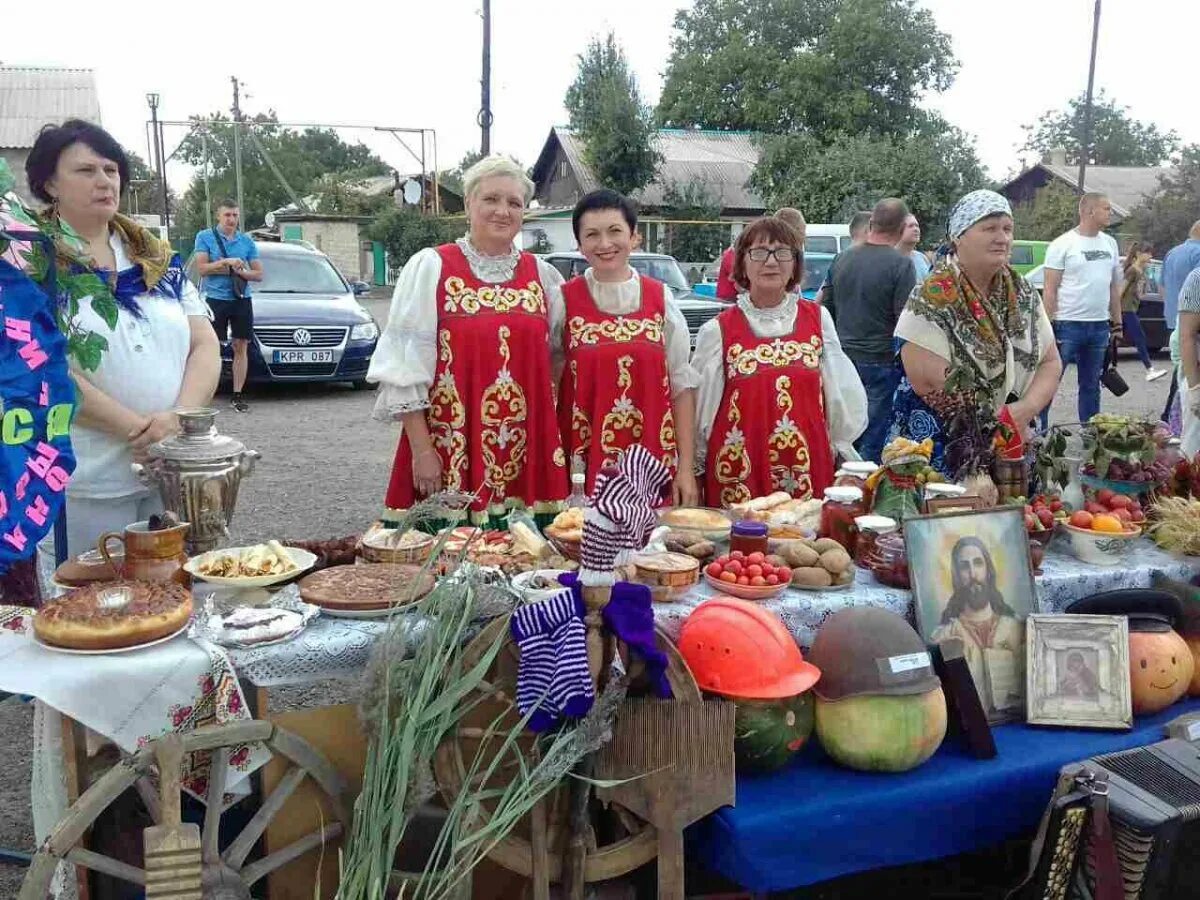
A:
(748, 537)
(889, 562)
(870, 529)
(843, 504)
(854, 473)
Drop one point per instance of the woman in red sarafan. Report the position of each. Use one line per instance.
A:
(627, 378)
(778, 397)
(465, 362)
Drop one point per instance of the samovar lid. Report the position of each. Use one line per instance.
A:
(198, 440)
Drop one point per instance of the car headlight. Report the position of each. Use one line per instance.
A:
(367, 331)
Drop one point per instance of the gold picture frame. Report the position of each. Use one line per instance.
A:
(940, 506)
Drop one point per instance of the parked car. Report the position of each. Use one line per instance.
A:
(696, 309)
(1025, 256)
(816, 267)
(308, 323)
(1150, 313)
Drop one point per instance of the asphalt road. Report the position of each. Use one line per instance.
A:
(323, 472)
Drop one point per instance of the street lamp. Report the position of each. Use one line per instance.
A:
(152, 100)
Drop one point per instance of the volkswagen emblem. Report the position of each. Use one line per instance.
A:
(302, 337)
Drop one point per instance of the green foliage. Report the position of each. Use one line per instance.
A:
(608, 114)
(930, 169)
(1053, 211)
(144, 192)
(302, 156)
(453, 178)
(693, 243)
(405, 230)
(815, 66)
(345, 195)
(1117, 138)
(1164, 219)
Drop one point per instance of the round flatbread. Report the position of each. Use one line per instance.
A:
(112, 615)
(366, 587)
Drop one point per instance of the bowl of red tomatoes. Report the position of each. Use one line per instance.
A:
(748, 576)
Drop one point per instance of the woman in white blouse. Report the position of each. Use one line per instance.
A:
(627, 379)
(161, 355)
(465, 362)
(778, 397)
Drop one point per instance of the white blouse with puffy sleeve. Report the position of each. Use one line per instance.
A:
(845, 397)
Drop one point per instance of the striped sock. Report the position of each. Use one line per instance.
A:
(571, 686)
(535, 668)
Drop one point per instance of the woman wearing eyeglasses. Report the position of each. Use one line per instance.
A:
(778, 397)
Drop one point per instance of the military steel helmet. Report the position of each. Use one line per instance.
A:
(867, 650)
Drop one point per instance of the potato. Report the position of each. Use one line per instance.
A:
(798, 554)
(776, 560)
(701, 550)
(836, 561)
(811, 576)
(823, 544)
(845, 578)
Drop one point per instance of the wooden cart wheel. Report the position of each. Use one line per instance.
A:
(623, 841)
(227, 875)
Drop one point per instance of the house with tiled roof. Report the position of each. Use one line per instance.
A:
(32, 96)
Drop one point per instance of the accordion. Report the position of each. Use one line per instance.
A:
(1153, 799)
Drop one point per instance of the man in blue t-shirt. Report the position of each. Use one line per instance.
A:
(221, 252)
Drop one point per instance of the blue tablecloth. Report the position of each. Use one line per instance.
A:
(815, 820)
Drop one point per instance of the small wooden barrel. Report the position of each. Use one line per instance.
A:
(1012, 479)
(374, 548)
(667, 574)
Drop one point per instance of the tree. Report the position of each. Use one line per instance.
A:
(453, 178)
(302, 157)
(693, 243)
(607, 112)
(1054, 210)
(144, 194)
(1117, 138)
(1165, 218)
(819, 66)
(405, 230)
(930, 169)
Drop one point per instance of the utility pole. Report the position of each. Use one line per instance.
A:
(1086, 145)
(152, 99)
(485, 111)
(237, 142)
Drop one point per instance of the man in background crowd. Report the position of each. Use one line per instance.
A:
(868, 287)
(908, 247)
(860, 223)
(1179, 262)
(1083, 297)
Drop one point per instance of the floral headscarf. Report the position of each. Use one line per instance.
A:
(974, 207)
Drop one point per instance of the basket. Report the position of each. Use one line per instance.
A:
(414, 555)
(1128, 488)
(571, 549)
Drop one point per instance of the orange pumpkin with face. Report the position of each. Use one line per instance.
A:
(1160, 666)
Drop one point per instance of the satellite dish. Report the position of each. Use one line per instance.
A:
(412, 192)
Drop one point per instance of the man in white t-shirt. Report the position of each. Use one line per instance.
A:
(1083, 296)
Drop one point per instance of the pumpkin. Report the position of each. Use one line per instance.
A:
(882, 733)
(1160, 669)
(1193, 641)
(767, 734)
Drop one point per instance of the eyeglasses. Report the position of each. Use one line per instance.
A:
(781, 254)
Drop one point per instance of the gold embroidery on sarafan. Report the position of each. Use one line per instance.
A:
(581, 427)
(502, 412)
(742, 362)
(461, 299)
(623, 416)
(666, 431)
(733, 464)
(447, 417)
(787, 447)
(620, 330)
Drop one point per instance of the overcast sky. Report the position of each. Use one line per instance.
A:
(417, 64)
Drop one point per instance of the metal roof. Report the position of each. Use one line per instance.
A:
(722, 161)
(1127, 187)
(30, 97)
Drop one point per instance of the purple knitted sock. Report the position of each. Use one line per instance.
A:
(630, 616)
(571, 685)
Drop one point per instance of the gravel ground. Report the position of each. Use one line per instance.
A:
(323, 472)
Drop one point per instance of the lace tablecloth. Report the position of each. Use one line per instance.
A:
(1063, 580)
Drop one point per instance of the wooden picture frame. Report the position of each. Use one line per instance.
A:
(940, 506)
(1077, 674)
(972, 581)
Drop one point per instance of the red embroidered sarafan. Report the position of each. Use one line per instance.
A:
(491, 407)
(616, 388)
(770, 433)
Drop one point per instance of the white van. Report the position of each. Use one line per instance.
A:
(826, 238)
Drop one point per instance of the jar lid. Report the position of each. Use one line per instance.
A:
(844, 493)
(860, 467)
(938, 489)
(876, 524)
(748, 528)
(578, 478)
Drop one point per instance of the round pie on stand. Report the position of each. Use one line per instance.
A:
(113, 615)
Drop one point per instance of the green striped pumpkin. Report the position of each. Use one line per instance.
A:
(768, 733)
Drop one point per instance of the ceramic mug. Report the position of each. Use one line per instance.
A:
(149, 555)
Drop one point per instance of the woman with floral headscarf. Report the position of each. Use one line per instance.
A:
(974, 332)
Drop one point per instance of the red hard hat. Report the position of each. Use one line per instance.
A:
(738, 649)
